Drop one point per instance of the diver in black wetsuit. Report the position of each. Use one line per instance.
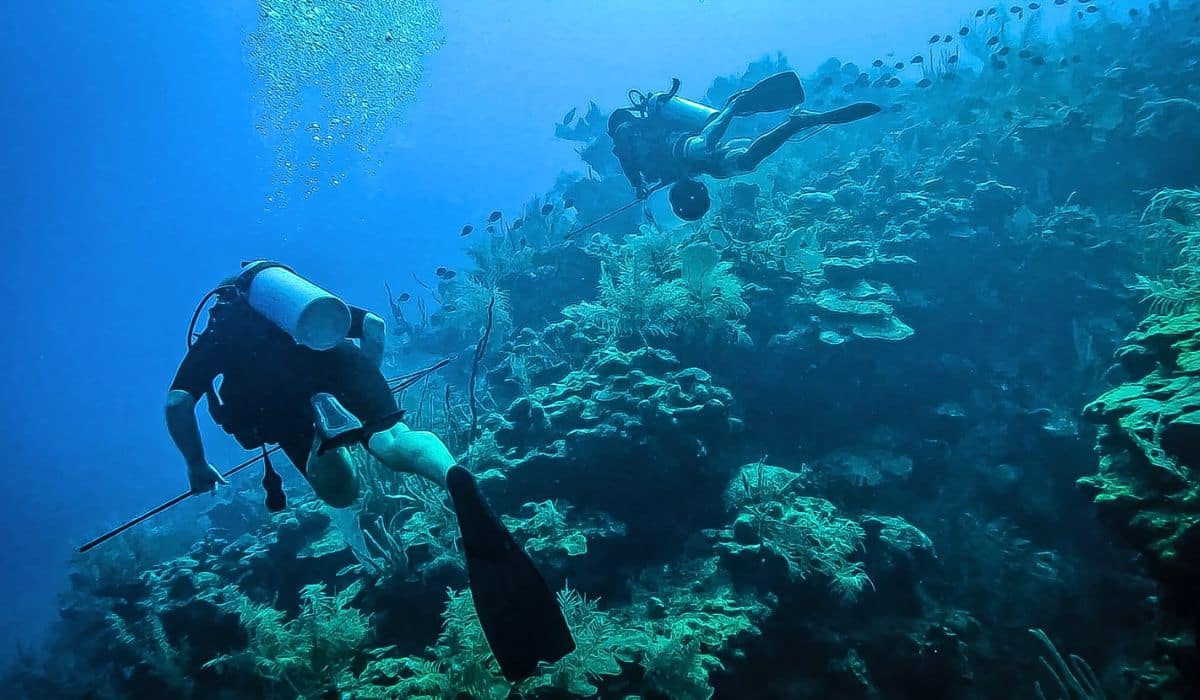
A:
(292, 375)
(664, 139)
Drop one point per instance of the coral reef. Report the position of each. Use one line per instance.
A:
(1148, 484)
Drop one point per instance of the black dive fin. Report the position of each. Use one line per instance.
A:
(779, 91)
(517, 610)
(841, 115)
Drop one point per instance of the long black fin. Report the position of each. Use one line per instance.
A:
(771, 94)
(517, 610)
(842, 115)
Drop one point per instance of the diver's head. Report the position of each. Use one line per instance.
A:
(619, 118)
(689, 199)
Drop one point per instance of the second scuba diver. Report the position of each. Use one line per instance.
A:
(665, 139)
(290, 374)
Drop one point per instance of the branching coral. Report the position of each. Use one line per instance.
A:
(298, 657)
(463, 662)
(688, 632)
(548, 528)
(497, 256)
(681, 667)
(641, 295)
(676, 649)
(715, 294)
(464, 312)
(806, 532)
(1176, 289)
(147, 641)
(405, 520)
(602, 645)
(1075, 681)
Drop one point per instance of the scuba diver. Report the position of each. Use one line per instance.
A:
(664, 139)
(291, 374)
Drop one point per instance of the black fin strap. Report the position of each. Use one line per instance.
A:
(276, 501)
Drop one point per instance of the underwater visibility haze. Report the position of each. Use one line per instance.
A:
(689, 349)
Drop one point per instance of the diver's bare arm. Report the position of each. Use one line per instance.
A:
(181, 423)
(373, 332)
(635, 177)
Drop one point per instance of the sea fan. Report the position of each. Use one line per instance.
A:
(1176, 289)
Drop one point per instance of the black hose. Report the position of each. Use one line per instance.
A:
(191, 333)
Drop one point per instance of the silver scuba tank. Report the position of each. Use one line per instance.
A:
(312, 316)
(679, 112)
(685, 113)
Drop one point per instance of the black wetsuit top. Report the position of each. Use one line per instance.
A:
(268, 379)
(647, 151)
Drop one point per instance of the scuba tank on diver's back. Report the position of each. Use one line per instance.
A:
(312, 316)
(679, 112)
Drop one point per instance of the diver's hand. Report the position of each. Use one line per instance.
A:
(204, 477)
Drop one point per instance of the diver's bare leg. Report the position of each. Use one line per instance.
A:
(413, 451)
(332, 477)
(800, 120)
(699, 148)
(716, 128)
(771, 141)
